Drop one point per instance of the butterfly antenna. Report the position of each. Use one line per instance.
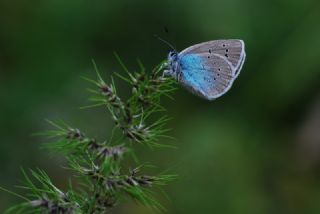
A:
(166, 42)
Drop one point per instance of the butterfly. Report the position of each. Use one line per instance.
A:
(207, 69)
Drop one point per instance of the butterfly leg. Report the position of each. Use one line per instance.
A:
(168, 73)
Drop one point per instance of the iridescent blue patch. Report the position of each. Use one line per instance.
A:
(194, 72)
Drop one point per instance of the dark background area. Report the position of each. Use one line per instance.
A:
(254, 150)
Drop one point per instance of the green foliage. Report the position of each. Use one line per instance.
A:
(101, 180)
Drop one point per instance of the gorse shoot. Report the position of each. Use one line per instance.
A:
(101, 180)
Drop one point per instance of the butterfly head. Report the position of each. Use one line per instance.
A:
(172, 56)
(172, 64)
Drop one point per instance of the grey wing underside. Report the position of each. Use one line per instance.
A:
(232, 50)
(214, 76)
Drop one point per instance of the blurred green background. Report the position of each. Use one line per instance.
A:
(255, 150)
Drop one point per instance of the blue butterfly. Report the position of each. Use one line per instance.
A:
(207, 69)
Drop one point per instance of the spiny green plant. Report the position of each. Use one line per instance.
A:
(101, 180)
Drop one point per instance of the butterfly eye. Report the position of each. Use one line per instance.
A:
(172, 53)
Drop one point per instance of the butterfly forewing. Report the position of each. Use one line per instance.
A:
(206, 77)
